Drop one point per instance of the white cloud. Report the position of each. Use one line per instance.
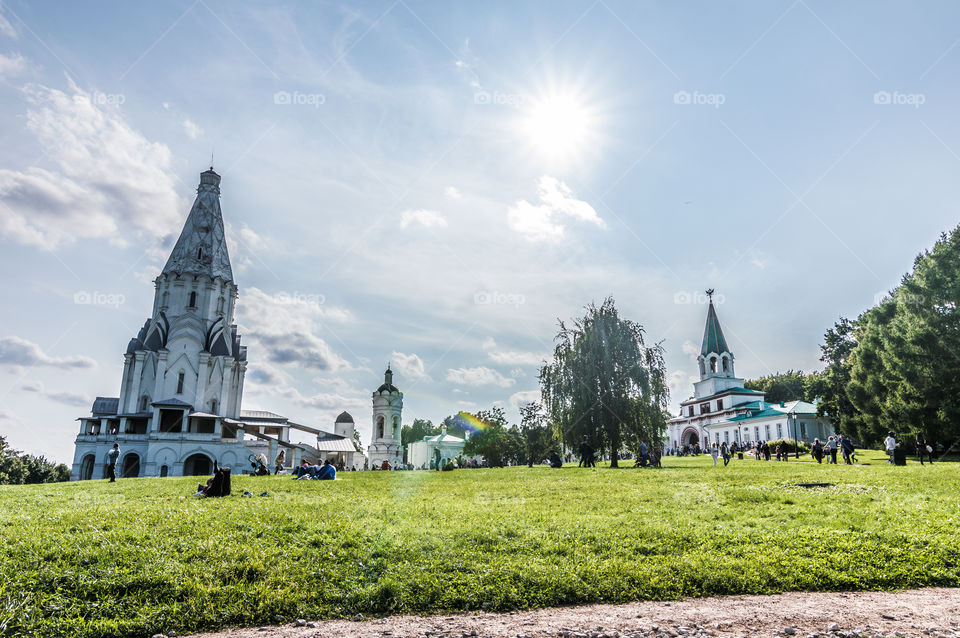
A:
(76, 399)
(479, 376)
(544, 221)
(452, 192)
(520, 399)
(11, 65)
(6, 28)
(243, 243)
(690, 349)
(109, 181)
(410, 366)
(760, 261)
(191, 129)
(285, 328)
(511, 357)
(17, 351)
(424, 217)
(32, 386)
(680, 384)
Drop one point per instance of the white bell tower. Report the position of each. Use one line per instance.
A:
(387, 409)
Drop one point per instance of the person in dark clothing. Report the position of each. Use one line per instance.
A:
(816, 450)
(555, 460)
(766, 451)
(112, 457)
(586, 454)
(327, 472)
(846, 446)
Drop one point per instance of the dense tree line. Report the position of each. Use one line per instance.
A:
(897, 366)
(17, 468)
(785, 386)
(500, 443)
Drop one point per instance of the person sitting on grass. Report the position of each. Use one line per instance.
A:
(302, 470)
(555, 460)
(327, 472)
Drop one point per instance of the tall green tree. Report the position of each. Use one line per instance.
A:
(782, 386)
(455, 426)
(904, 369)
(17, 468)
(495, 442)
(829, 387)
(537, 435)
(419, 429)
(605, 383)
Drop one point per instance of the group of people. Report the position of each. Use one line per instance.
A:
(835, 444)
(320, 472)
(925, 450)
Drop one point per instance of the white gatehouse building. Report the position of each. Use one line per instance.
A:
(181, 389)
(723, 410)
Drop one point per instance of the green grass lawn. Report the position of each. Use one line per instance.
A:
(142, 556)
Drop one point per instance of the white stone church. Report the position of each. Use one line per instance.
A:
(722, 410)
(181, 389)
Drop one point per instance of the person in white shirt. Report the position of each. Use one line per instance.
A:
(890, 444)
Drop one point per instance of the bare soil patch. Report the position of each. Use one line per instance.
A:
(922, 612)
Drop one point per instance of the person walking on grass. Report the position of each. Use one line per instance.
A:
(816, 450)
(832, 447)
(766, 451)
(846, 447)
(924, 448)
(586, 453)
(725, 453)
(112, 457)
(890, 444)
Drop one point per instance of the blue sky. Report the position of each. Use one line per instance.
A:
(435, 184)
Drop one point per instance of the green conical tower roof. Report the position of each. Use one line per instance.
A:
(713, 340)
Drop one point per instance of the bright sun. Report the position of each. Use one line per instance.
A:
(558, 126)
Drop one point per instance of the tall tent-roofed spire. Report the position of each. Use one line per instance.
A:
(202, 246)
(713, 340)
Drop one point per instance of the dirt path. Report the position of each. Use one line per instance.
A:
(927, 612)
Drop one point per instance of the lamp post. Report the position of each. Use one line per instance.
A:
(796, 438)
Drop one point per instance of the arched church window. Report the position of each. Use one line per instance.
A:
(193, 299)
(164, 470)
(726, 365)
(143, 403)
(200, 253)
(380, 427)
(166, 299)
(713, 364)
(213, 406)
(180, 383)
(220, 304)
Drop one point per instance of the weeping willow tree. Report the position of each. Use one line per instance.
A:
(605, 383)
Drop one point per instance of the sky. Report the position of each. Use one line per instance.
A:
(436, 185)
